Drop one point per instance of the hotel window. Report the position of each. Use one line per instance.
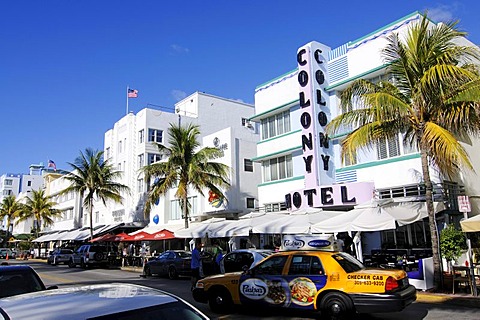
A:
(141, 160)
(7, 192)
(250, 203)
(119, 146)
(119, 166)
(97, 217)
(277, 168)
(153, 157)
(276, 125)
(8, 182)
(388, 148)
(248, 165)
(155, 135)
(141, 136)
(350, 161)
(29, 183)
(176, 212)
(141, 185)
(107, 153)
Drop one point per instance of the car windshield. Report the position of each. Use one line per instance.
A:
(182, 254)
(347, 262)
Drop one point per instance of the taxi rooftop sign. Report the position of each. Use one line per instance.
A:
(324, 242)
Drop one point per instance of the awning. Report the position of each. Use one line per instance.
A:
(376, 216)
(299, 222)
(471, 224)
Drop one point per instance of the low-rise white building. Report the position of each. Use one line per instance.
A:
(131, 144)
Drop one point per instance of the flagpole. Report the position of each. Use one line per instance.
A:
(127, 102)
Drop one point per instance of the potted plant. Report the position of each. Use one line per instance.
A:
(452, 243)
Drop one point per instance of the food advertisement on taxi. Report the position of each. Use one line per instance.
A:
(281, 291)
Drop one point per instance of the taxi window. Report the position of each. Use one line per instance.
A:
(273, 266)
(348, 263)
(305, 265)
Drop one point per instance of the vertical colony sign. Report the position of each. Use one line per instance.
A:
(317, 152)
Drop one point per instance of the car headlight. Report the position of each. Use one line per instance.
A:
(200, 285)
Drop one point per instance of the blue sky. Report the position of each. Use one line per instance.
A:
(65, 64)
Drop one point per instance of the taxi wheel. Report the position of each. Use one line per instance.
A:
(220, 300)
(336, 306)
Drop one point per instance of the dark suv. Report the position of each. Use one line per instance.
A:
(88, 255)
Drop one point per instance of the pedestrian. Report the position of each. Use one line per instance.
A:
(196, 264)
(218, 258)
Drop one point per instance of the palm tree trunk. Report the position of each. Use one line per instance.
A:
(437, 271)
(91, 220)
(185, 211)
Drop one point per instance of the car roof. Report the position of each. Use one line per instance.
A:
(253, 250)
(17, 267)
(81, 302)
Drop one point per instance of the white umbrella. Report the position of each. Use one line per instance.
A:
(299, 222)
(244, 225)
(200, 229)
(471, 224)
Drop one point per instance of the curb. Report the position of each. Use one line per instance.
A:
(442, 298)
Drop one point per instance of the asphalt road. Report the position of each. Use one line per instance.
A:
(65, 276)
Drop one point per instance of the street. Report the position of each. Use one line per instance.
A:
(62, 275)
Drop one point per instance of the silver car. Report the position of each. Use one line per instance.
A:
(60, 256)
(240, 259)
(101, 301)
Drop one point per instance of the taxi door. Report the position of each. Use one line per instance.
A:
(274, 283)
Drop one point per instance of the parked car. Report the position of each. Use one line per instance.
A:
(4, 251)
(60, 255)
(242, 259)
(88, 255)
(171, 263)
(100, 301)
(333, 282)
(19, 279)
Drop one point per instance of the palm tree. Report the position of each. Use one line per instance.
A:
(11, 209)
(433, 101)
(41, 208)
(187, 167)
(94, 179)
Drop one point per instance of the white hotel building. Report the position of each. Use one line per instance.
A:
(300, 168)
(130, 145)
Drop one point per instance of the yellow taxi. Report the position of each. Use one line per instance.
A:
(333, 282)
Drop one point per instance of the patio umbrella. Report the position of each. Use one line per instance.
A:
(243, 226)
(471, 224)
(105, 238)
(299, 222)
(199, 229)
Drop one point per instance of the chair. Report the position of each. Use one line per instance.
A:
(462, 276)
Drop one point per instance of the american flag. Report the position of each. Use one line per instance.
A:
(52, 164)
(132, 93)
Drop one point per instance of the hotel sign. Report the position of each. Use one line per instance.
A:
(318, 156)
